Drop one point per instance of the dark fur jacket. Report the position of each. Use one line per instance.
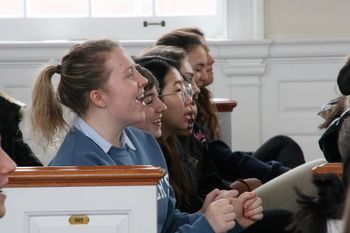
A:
(11, 113)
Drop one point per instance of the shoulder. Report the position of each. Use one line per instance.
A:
(133, 132)
(77, 149)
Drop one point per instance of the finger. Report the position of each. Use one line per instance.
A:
(229, 225)
(221, 202)
(253, 203)
(229, 217)
(227, 209)
(227, 194)
(256, 211)
(214, 194)
(246, 196)
(257, 217)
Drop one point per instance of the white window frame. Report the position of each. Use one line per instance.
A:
(246, 22)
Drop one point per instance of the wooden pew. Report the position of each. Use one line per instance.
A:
(225, 107)
(224, 104)
(336, 168)
(99, 199)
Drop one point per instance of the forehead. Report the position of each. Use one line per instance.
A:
(186, 66)
(120, 59)
(198, 55)
(173, 76)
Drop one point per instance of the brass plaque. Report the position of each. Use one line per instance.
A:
(78, 219)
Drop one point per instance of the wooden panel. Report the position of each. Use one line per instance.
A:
(224, 105)
(85, 176)
(336, 168)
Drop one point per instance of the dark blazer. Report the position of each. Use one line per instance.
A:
(11, 135)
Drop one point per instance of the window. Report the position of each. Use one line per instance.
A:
(117, 19)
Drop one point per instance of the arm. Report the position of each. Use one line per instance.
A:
(234, 165)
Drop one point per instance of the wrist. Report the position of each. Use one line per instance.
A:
(245, 184)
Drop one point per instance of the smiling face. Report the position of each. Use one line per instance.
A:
(198, 60)
(153, 111)
(178, 114)
(6, 167)
(123, 90)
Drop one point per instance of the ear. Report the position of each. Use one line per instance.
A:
(97, 98)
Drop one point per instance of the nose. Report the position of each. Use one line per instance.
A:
(142, 81)
(7, 165)
(211, 59)
(161, 107)
(195, 87)
(188, 100)
(204, 75)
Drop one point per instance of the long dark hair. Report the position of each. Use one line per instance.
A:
(180, 181)
(207, 114)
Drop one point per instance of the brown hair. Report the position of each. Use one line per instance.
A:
(82, 70)
(207, 111)
(167, 51)
(152, 81)
(206, 116)
(184, 40)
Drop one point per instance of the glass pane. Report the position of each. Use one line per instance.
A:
(57, 8)
(119, 8)
(11, 8)
(185, 7)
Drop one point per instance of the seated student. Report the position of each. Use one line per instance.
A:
(279, 148)
(7, 165)
(331, 112)
(99, 82)
(344, 149)
(12, 139)
(322, 213)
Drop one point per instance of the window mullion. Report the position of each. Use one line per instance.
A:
(25, 7)
(90, 8)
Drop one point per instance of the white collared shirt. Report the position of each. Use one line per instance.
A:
(90, 132)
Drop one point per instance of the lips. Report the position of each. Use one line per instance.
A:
(158, 121)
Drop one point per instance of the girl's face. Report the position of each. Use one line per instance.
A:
(209, 69)
(6, 167)
(153, 112)
(124, 90)
(187, 71)
(179, 112)
(198, 60)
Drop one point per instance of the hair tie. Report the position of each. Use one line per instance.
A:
(58, 69)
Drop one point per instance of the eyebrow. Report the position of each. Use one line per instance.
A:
(179, 82)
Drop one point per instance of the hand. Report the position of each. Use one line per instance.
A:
(241, 187)
(209, 199)
(248, 209)
(217, 194)
(220, 215)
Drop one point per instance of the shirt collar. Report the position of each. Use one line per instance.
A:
(90, 132)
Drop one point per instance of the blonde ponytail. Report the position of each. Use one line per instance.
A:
(47, 115)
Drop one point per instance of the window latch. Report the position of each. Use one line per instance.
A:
(161, 23)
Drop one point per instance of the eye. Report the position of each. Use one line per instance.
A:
(148, 99)
(130, 74)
